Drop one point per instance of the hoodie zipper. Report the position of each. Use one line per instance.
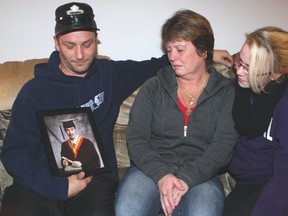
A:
(185, 130)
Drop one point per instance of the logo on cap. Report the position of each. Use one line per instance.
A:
(74, 11)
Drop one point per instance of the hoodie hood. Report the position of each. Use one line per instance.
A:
(215, 83)
(52, 71)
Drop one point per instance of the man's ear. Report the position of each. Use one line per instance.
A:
(56, 42)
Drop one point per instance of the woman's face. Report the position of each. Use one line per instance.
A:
(242, 66)
(184, 58)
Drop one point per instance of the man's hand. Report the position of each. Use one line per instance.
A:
(65, 163)
(77, 183)
(223, 57)
(77, 164)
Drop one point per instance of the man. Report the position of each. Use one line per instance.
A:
(99, 84)
(77, 152)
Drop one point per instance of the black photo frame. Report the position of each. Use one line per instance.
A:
(58, 145)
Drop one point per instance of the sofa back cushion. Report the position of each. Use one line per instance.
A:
(5, 178)
(13, 75)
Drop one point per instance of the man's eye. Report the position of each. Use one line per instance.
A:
(69, 46)
(87, 45)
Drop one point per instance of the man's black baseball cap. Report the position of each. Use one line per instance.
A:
(74, 16)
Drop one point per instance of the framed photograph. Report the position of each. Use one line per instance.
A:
(72, 141)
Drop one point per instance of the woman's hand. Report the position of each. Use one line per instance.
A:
(170, 187)
(178, 194)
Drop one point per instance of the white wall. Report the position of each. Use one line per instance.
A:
(130, 29)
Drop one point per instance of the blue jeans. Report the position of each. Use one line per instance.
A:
(139, 195)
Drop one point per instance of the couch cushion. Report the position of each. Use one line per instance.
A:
(13, 75)
(5, 178)
(120, 133)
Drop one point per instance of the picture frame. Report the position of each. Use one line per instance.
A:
(72, 141)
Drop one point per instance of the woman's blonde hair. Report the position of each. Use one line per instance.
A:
(268, 56)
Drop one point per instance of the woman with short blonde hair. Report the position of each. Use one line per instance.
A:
(260, 160)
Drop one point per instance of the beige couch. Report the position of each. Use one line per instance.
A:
(12, 77)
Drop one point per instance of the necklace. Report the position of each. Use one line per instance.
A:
(192, 97)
